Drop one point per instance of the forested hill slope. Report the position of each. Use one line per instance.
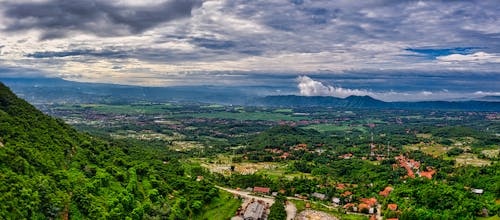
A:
(49, 170)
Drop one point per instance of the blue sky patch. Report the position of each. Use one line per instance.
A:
(433, 53)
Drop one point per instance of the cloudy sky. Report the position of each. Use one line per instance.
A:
(390, 49)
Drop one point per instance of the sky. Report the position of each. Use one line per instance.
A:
(388, 49)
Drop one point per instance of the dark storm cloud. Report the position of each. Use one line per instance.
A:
(93, 53)
(56, 17)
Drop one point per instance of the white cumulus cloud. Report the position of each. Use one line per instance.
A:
(310, 87)
(480, 57)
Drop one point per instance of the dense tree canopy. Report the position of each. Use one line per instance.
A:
(49, 170)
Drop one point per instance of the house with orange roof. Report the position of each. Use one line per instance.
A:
(340, 186)
(346, 193)
(428, 174)
(348, 205)
(386, 191)
(363, 206)
(369, 201)
(285, 155)
(392, 207)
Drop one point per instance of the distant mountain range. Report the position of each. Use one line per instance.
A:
(54, 90)
(369, 102)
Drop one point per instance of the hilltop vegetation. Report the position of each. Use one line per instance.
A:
(49, 170)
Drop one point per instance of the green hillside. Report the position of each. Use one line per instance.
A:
(49, 170)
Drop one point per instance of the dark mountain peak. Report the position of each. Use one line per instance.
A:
(364, 98)
(359, 97)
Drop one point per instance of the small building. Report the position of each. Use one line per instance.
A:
(254, 211)
(386, 191)
(274, 193)
(340, 186)
(362, 207)
(427, 174)
(349, 206)
(369, 201)
(477, 191)
(308, 205)
(263, 190)
(336, 200)
(320, 196)
(371, 210)
(346, 193)
(199, 178)
(392, 207)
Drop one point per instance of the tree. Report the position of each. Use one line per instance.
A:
(278, 211)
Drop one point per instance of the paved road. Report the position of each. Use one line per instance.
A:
(290, 208)
(291, 211)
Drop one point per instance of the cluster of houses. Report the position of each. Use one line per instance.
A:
(366, 205)
(413, 167)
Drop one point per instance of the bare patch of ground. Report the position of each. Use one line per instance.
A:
(471, 159)
(314, 215)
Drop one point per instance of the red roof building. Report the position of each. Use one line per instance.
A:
(349, 205)
(363, 206)
(392, 207)
(340, 186)
(370, 202)
(346, 193)
(264, 190)
(386, 191)
(428, 174)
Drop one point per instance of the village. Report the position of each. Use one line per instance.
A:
(332, 163)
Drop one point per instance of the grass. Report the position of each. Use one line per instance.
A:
(433, 149)
(471, 159)
(264, 116)
(122, 109)
(221, 208)
(426, 136)
(284, 110)
(212, 106)
(332, 127)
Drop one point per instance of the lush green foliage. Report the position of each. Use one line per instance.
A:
(277, 210)
(49, 170)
